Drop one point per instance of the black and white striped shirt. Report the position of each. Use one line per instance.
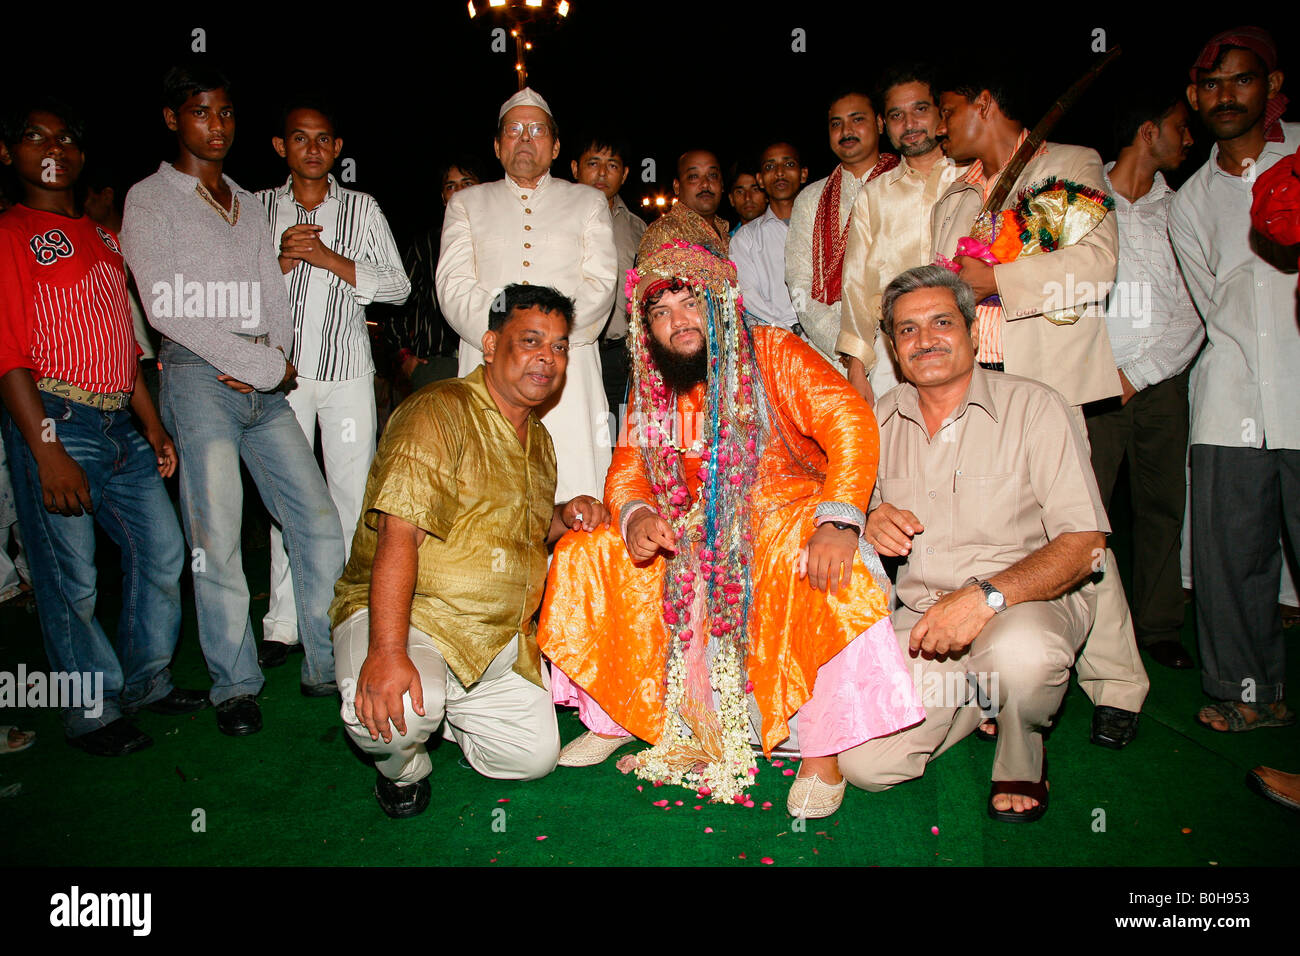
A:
(331, 343)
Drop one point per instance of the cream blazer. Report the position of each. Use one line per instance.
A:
(1075, 359)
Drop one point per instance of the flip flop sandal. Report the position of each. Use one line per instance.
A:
(7, 748)
(983, 734)
(1237, 723)
(1026, 788)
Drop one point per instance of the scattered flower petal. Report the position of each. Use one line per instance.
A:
(677, 803)
(541, 838)
(934, 830)
(778, 763)
(767, 804)
(661, 803)
(787, 772)
(638, 788)
(708, 829)
(768, 860)
(742, 856)
(1187, 829)
(504, 800)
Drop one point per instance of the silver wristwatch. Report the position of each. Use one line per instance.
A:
(992, 596)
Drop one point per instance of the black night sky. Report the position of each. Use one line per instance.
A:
(416, 83)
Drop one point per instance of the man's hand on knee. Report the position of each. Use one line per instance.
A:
(950, 624)
(384, 678)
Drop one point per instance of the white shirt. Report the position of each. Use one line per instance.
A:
(1155, 331)
(330, 340)
(758, 250)
(1245, 387)
(558, 234)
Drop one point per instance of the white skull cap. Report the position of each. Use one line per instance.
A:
(525, 97)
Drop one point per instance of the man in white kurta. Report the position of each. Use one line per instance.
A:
(533, 229)
(813, 267)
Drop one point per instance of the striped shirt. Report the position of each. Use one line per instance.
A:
(64, 311)
(330, 341)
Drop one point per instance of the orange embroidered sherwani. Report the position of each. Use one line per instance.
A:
(602, 617)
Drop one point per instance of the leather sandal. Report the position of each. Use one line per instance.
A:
(1026, 788)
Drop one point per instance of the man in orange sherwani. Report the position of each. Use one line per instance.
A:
(734, 582)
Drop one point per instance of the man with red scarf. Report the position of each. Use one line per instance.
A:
(819, 225)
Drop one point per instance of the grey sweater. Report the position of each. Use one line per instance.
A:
(204, 283)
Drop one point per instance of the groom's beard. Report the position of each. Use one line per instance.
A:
(680, 372)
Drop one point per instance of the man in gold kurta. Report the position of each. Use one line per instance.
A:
(434, 614)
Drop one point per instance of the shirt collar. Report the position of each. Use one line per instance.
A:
(903, 169)
(1159, 188)
(1271, 150)
(286, 191)
(978, 393)
(477, 383)
(531, 193)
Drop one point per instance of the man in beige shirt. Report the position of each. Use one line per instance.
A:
(987, 490)
(889, 231)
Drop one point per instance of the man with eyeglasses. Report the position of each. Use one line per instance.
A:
(535, 230)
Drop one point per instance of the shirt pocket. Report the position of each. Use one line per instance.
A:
(987, 509)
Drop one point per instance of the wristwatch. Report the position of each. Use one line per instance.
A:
(844, 526)
(992, 596)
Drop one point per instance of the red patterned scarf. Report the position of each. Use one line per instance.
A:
(829, 239)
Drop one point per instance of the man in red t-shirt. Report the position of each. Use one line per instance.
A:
(69, 381)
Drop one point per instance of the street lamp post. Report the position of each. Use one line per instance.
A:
(538, 13)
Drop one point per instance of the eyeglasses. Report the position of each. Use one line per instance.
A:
(535, 130)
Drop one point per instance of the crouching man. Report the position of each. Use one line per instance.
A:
(986, 489)
(434, 615)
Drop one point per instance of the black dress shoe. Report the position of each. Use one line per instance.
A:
(1171, 654)
(239, 716)
(180, 702)
(273, 653)
(1113, 728)
(328, 689)
(401, 802)
(117, 739)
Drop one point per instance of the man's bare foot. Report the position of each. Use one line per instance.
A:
(827, 768)
(1210, 717)
(1003, 802)
(989, 727)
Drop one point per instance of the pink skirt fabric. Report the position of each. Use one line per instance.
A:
(863, 692)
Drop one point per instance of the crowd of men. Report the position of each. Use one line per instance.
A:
(651, 470)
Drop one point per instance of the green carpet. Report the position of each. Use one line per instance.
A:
(296, 794)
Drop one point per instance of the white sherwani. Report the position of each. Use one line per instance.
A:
(561, 235)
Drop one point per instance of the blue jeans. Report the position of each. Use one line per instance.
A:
(131, 505)
(215, 426)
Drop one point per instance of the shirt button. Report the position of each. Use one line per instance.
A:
(526, 262)
(524, 196)
(938, 593)
(929, 550)
(530, 211)
(932, 494)
(525, 282)
(528, 245)
(526, 228)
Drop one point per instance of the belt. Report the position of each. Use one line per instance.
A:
(994, 366)
(104, 401)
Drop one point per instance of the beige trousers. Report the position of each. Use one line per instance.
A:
(1021, 661)
(504, 724)
(1110, 669)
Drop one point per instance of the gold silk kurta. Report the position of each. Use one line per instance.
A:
(602, 620)
(450, 463)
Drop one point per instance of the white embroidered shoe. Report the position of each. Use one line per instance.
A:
(589, 750)
(812, 798)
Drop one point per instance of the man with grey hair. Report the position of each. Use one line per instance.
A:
(535, 230)
(993, 475)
